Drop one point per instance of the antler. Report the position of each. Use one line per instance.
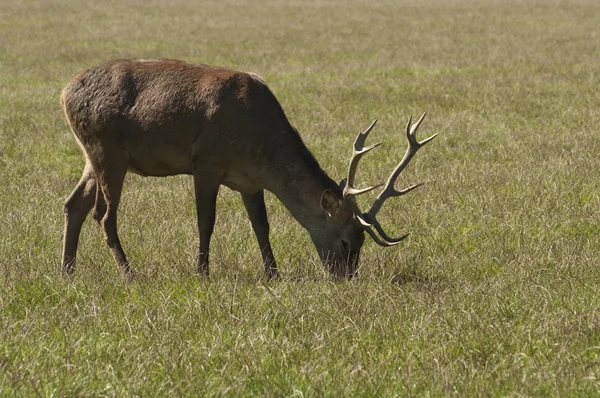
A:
(369, 219)
(349, 191)
(359, 151)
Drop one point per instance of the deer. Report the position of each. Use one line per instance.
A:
(223, 127)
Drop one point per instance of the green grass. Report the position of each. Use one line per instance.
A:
(495, 292)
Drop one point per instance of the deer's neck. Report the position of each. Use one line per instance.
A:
(298, 182)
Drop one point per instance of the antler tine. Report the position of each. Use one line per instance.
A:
(389, 190)
(384, 243)
(358, 152)
(412, 132)
(359, 142)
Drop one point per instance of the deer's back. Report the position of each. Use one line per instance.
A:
(165, 112)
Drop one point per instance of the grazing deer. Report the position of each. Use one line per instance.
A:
(166, 117)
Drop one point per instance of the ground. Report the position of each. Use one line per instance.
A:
(494, 293)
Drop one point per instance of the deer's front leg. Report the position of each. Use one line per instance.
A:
(257, 212)
(206, 189)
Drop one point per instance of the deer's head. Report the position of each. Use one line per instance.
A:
(342, 234)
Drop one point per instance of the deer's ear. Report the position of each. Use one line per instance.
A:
(330, 203)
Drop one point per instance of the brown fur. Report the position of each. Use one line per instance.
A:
(166, 117)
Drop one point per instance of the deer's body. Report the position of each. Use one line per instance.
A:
(166, 117)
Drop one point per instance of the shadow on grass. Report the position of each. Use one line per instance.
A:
(420, 280)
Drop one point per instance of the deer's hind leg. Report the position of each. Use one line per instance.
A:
(77, 207)
(99, 207)
(110, 166)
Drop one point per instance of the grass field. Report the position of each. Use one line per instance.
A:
(495, 292)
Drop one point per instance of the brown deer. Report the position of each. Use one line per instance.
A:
(224, 127)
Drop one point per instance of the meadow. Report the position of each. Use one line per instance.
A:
(494, 293)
